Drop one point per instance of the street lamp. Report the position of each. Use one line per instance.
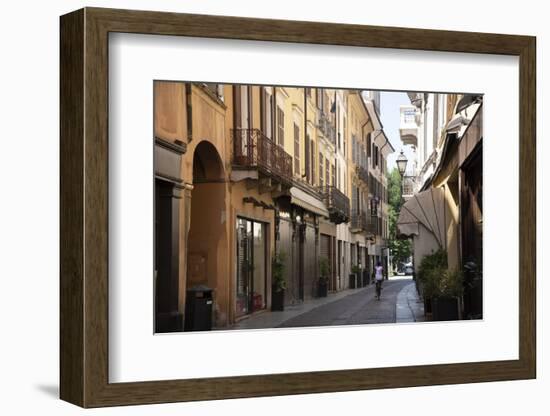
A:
(401, 162)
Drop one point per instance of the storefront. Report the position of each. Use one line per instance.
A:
(252, 256)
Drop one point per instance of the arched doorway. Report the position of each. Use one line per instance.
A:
(207, 252)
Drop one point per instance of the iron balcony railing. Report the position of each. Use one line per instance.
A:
(358, 221)
(253, 149)
(337, 203)
(327, 128)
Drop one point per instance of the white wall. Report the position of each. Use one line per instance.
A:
(29, 209)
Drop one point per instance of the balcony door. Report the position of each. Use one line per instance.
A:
(242, 116)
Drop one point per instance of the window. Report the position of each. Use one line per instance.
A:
(369, 144)
(242, 100)
(320, 99)
(321, 159)
(307, 161)
(327, 171)
(333, 174)
(266, 109)
(353, 148)
(280, 127)
(312, 153)
(245, 108)
(296, 149)
(345, 134)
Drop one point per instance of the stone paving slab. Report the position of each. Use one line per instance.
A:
(409, 306)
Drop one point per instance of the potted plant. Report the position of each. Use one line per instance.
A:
(365, 277)
(354, 277)
(446, 302)
(429, 273)
(322, 283)
(278, 282)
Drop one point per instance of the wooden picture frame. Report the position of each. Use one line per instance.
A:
(84, 207)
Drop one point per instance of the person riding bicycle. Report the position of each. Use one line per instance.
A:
(378, 278)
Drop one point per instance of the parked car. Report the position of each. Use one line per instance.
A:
(408, 269)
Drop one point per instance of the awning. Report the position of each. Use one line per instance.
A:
(307, 201)
(426, 208)
(467, 101)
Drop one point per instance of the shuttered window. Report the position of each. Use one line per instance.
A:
(321, 159)
(296, 149)
(307, 161)
(312, 153)
(280, 127)
(266, 109)
(353, 148)
(327, 171)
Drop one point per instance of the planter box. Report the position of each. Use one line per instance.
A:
(352, 281)
(427, 305)
(277, 300)
(322, 288)
(445, 309)
(365, 278)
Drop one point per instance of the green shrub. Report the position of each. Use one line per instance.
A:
(355, 269)
(452, 283)
(436, 279)
(430, 271)
(278, 271)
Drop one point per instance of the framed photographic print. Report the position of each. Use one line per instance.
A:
(255, 207)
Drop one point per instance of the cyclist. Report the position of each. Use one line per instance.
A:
(378, 278)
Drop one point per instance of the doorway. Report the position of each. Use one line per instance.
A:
(207, 252)
(167, 317)
(251, 281)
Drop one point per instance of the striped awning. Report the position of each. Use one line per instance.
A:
(425, 208)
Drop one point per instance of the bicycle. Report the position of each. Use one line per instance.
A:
(378, 289)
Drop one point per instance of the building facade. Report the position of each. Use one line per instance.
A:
(446, 132)
(246, 172)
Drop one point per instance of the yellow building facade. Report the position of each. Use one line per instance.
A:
(244, 172)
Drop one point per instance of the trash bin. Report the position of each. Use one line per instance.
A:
(198, 309)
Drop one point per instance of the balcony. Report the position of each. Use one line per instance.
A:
(362, 174)
(337, 204)
(373, 225)
(408, 129)
(358, 221)
(327, 128)
(253, 150)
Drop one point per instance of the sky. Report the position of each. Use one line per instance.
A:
(390, 117)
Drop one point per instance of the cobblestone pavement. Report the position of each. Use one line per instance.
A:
(358, 308)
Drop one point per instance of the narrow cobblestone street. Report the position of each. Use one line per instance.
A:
(399, 303)
(358, 308)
